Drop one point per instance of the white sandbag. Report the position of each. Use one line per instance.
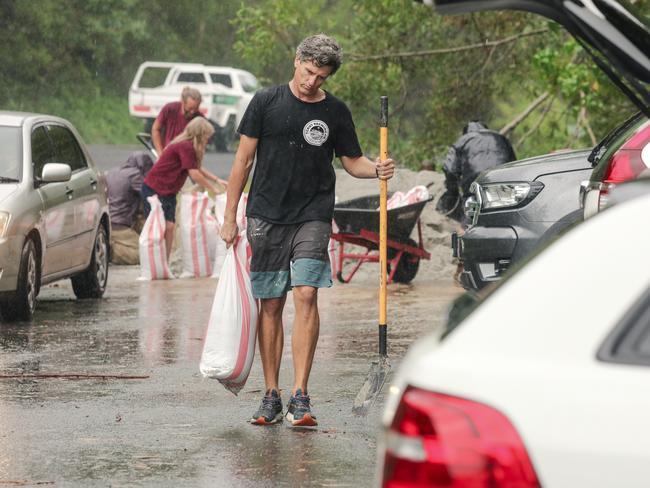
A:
(152, 247)
(229, 345)
(219, 257)
(198, 235)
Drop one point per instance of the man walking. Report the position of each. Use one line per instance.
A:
(174, 117)
(295, 129)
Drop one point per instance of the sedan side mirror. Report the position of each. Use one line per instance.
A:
(56, 172)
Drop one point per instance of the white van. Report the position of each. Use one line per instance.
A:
(226, 94)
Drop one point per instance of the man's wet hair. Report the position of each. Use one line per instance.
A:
(322, 50)
(189, 92)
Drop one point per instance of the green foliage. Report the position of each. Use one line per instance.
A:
(77, 59)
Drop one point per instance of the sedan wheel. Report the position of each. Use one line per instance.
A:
(22, 304)
(92, 282)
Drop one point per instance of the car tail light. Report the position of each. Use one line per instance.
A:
(441, 440)
(631, 159)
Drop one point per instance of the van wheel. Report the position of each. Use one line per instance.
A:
(92, 282)
(22, 304)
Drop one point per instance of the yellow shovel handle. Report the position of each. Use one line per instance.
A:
(383, 215)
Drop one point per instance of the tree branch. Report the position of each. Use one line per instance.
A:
(522, 116)
(537, 124)
(451, 50)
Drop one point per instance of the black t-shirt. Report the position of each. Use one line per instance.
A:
(294, 178)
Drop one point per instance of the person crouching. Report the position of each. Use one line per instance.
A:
(182, 157)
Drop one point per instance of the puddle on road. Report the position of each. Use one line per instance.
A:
(176, 425)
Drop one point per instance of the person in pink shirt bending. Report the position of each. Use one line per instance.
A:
(174, 117)
(183, 157)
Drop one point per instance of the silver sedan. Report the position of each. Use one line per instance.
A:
(54, 221)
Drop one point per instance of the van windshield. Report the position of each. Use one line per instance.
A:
(10, 154)
(248, 82)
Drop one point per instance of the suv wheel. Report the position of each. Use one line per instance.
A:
(22, 303)
(92, 282)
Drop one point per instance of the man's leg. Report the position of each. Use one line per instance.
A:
(271, 339)
(305, 334)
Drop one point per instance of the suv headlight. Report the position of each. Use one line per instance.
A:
(4, 223)
(505, 195)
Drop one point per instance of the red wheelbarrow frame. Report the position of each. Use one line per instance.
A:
(370, 240)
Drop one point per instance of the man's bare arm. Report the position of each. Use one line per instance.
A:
(362, 167)
(241, 168)
(156, 137)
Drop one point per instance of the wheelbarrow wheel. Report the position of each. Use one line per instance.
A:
(408, 265)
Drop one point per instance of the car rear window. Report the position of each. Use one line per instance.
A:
(629, 342)
(10, 154)
(153, 77)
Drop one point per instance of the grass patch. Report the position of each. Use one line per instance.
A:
(100, 119)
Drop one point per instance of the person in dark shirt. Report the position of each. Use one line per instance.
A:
(478, 149)
(124, 204)
(174, 117)
(182, 157)
(295, 130)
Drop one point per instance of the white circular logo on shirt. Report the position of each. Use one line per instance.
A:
(316, 132)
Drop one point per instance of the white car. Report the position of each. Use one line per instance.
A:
(546, 383)
(54, 221)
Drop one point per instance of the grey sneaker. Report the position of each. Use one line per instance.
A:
(299, 411)
(270, 411)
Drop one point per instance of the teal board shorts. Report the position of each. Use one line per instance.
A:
(288, 255)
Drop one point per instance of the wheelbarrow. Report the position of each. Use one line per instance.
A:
(357, 223)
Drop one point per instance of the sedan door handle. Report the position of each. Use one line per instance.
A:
(69, 192)
(93, 182)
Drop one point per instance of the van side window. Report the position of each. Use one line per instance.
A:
(42, 151)
(67, 147)
(188, 77)
(224, 79)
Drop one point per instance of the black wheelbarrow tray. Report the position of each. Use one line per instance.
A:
(357, 221)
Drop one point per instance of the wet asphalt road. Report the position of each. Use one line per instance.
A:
(175, 428)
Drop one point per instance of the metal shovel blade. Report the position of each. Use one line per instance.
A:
(372, 387)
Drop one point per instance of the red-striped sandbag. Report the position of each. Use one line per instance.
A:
(198, 235)
(152, 247)
(229, 345)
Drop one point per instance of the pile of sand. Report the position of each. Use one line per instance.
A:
(436, 228)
